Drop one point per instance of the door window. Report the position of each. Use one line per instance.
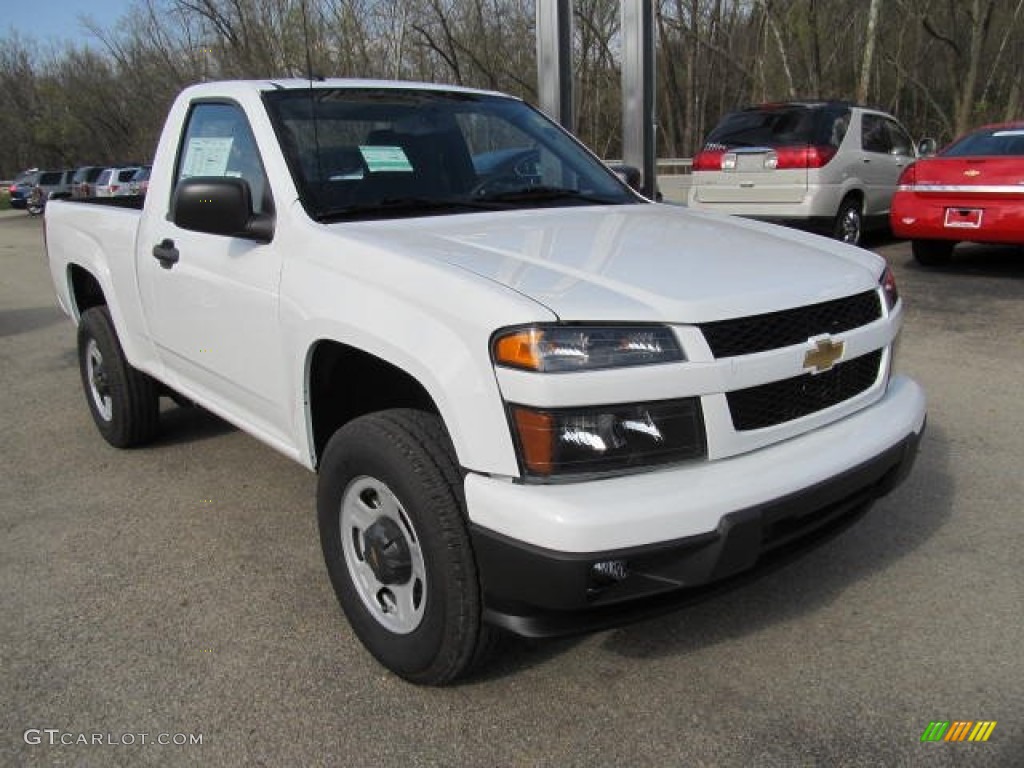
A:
(874, 137)
(901, 143)
(219, 142)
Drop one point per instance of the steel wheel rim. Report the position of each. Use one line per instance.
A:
(99, 385)
(850, 226)
(398, 607)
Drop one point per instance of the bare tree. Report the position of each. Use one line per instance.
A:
(869, 52)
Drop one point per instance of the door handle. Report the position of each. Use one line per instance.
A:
(866, 159)
(166, 253)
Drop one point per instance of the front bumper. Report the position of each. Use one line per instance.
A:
(763, 509)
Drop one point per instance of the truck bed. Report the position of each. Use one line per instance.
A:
(125, 201)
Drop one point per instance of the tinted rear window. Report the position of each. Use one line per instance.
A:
(50, 179)
(1002, 141)
(89, 174)
(127, 174)
(780, 127)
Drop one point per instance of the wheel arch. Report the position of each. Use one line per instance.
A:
(343, 382)
(854, 192)
(84, 289)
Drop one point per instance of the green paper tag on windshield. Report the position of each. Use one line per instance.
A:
(385, 159)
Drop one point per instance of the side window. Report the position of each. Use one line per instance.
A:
(873, 135)
(901, 143)
(837, 130)
(219, 142)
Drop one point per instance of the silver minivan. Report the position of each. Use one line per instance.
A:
(827, 165)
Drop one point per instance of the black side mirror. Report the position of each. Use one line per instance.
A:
(927, 147)
(629, 174)
(220, 205)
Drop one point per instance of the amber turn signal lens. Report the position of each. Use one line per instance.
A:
(535, 435)
(519, 350)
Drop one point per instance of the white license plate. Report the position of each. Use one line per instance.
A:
(963, 218)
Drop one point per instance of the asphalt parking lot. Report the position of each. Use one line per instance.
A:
(180, 590)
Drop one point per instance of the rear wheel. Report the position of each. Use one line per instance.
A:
(932, 253)
(124, 402)
(849, 221)
(396, 545)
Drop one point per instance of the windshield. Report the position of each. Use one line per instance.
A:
(988, 142)
(380, 152)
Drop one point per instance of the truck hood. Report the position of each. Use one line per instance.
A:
(644, 262)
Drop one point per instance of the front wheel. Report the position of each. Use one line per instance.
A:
(394, 538)
(124, 402)
(848, 222)
(932, 253)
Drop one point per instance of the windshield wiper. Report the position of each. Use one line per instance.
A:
(382, 209)
(545, 194)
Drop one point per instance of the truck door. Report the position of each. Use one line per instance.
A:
(213, 313)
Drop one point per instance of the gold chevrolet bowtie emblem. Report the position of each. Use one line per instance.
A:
(972, 172)
(825, 354)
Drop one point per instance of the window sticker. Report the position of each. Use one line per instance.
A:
(206, 157)
(385, 159)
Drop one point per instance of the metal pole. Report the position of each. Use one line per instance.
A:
(554, 60)
(638, 116)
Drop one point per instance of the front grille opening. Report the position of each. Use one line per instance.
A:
(780, 401)
(759, 333)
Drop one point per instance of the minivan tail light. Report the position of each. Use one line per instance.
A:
(708, 160)
(804, 156)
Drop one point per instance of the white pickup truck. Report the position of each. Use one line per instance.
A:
(537, 402)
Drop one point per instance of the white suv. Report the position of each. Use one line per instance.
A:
(830, 166)
(116, 182)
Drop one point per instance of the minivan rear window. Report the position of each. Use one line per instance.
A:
(50, 179)
(781, 126)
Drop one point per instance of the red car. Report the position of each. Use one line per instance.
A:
(971, 191)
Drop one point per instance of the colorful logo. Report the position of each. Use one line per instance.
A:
(958, 730)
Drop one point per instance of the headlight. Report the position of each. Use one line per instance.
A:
(555, 348)
(888, 283)
(573, 441)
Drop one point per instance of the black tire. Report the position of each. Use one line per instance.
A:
(849, 222)
(932, 253)
(124, 402)
(408, 454)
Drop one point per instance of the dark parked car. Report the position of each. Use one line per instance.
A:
(22, 186)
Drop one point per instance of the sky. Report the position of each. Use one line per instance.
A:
(58, 20)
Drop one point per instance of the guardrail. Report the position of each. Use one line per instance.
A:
(668, 166)
(675, 166)
(673, 177)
